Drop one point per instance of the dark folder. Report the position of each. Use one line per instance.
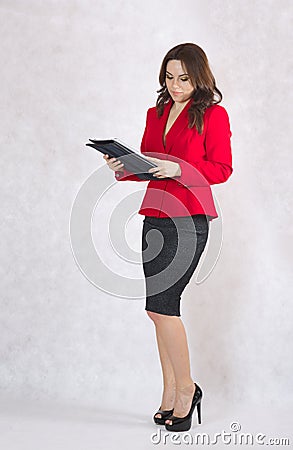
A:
(133, 162)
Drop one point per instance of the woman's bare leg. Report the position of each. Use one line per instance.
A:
(169, 392)
(172, 333)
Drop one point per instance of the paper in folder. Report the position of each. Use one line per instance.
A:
(133, 162)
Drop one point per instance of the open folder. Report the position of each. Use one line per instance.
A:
(133, 162)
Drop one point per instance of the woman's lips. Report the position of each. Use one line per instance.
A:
(176, 93)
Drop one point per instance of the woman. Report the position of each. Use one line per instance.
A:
(187, 135)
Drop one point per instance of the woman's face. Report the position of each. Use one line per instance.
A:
(178, 82)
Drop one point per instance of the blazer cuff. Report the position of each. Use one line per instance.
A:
(190, 175)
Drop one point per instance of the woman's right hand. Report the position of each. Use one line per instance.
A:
(113, 164)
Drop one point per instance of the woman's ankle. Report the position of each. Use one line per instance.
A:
(169, 385)
(188, 385)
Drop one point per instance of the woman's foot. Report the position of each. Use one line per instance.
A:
(183, 400)
(168, 399)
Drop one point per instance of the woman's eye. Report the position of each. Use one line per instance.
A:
(181, 79)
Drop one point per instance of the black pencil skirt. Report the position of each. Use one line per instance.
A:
(171, 250)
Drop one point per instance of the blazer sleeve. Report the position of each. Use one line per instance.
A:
(125, 175)
(216, 166)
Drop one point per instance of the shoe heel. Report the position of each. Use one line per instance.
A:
(198, 412)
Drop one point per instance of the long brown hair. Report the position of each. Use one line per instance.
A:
(195, 62)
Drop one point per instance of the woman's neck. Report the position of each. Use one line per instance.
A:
(178, 106)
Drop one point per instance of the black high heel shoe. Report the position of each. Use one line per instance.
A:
(165, 414)
(184, 423)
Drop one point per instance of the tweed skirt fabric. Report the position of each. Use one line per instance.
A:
(171, 250)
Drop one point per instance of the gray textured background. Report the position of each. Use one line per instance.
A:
(71, 70)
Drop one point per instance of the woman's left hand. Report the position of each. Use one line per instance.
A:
(165, 169)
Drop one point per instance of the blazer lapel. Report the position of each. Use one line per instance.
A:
(178, 126)
(163, 123)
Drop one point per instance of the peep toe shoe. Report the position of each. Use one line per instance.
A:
(165, 414)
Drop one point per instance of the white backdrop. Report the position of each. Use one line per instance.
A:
(78, 69)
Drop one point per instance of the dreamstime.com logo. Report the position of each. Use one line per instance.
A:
(101, 215)
(232, 437)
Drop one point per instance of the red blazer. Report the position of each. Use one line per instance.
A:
(204, 160)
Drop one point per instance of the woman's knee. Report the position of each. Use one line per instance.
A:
(157, 317)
